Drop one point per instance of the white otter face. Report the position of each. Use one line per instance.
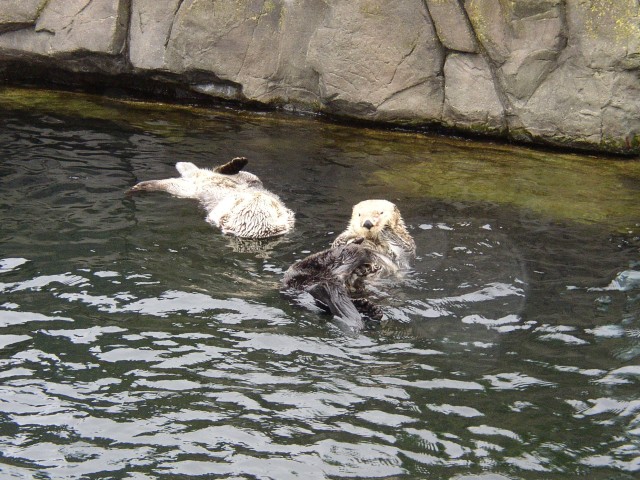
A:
(370, 217)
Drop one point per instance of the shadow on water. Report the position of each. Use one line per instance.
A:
(138, 342)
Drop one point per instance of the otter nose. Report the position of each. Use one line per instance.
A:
(367, 224)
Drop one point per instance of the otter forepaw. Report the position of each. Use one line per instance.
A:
(367, 269)
(368, 309)
(355, 240)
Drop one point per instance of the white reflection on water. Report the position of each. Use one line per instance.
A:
(461, 410)
(12, 317)
(39, 283)
(515, 381)
(487, 430)
(490, 292)
(233, 310)
(438, 383)
(9, 264)
(84, 335)
(6, 340)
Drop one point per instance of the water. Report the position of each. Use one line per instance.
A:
(137, 342)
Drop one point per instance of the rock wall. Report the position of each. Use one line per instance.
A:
(563, 72)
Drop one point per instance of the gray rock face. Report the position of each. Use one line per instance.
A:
(471, 100)
(19, 14)
(149, 32)
(452, 25)
(563, 72)
(68, 26)
(378, 60)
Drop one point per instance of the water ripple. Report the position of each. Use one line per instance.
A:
(137, 341)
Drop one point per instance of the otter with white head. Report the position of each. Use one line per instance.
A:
(380, 224)
(235, 201)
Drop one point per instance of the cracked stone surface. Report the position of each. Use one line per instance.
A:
(562, 72)
(61, 27)
(470, 96)
(19, 15)
(149, 32)
(452, 25)
(379, 60)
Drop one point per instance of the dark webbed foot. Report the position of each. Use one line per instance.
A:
(334, 296)
(232, 167)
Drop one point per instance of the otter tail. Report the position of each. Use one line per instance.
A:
(334, 296)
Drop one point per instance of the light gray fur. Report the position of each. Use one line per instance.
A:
(236, 203)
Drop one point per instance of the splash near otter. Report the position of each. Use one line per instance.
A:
(235, 200)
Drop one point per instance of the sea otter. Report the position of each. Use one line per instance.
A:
(332, 275)
(381, 226)
(235, 201)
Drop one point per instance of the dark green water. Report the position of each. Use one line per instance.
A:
(138, 342)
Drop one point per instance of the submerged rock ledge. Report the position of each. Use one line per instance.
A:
(555, 72)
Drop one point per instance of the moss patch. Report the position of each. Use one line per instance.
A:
(168, 120)
(557, 185)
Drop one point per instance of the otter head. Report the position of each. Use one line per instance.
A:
(371, 217)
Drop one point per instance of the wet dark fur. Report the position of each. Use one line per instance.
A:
(332, 275)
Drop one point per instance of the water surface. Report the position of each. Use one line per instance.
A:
(136, 341)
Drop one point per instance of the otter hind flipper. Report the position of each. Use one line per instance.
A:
(232, 167)
(335, 297)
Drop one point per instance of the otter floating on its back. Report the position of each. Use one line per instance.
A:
(235, 201)
(376, 243)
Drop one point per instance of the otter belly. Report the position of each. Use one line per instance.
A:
(251, 214)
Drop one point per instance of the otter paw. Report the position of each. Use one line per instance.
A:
(368, 309)
(367, 269)
(140, 187)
